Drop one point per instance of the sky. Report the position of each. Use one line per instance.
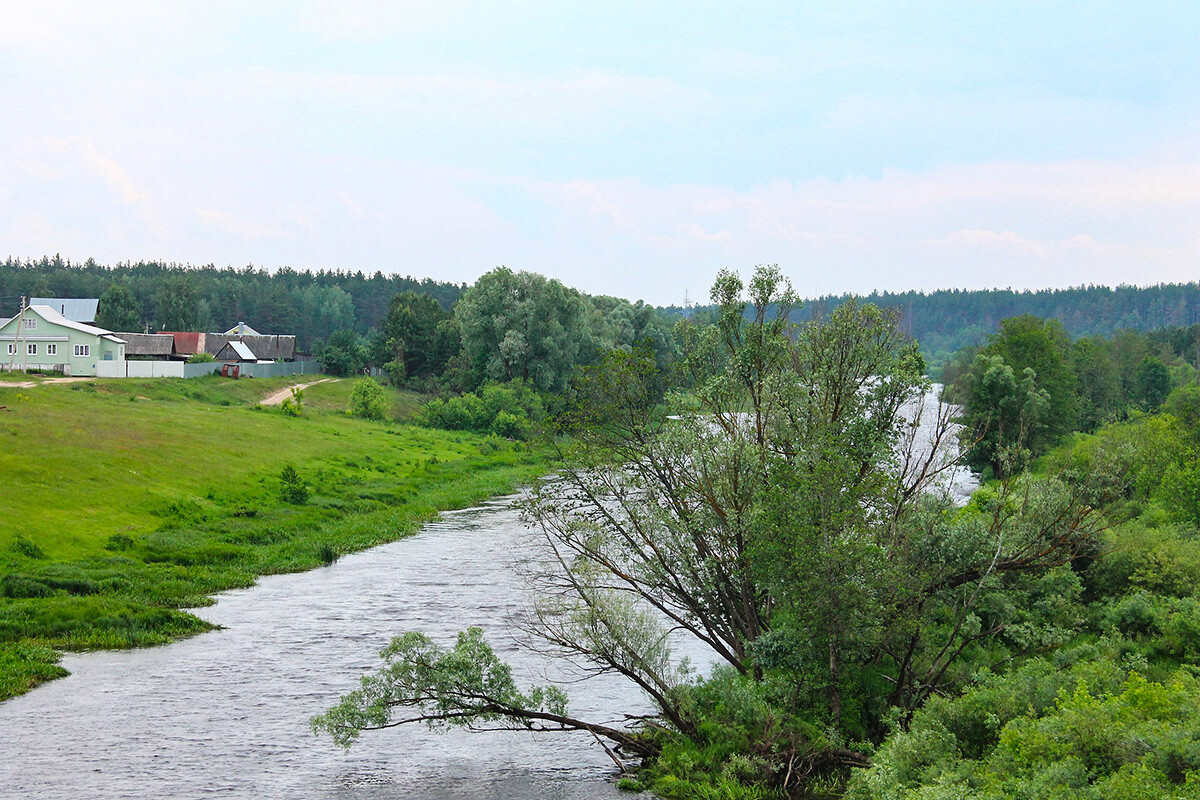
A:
(624, 148)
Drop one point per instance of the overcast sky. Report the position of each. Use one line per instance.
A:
(625, 148)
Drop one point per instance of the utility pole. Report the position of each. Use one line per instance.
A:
(20, 318)
(21, 328)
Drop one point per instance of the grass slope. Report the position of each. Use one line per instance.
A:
(125, 501)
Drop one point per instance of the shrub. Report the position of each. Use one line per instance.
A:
(201, 358)
(293, 406)
(368, 399)
(119, 542)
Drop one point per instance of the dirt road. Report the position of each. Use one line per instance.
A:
(286, 392)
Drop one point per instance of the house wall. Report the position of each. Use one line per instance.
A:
(45, 335)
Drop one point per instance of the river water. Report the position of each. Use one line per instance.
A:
(225, 714)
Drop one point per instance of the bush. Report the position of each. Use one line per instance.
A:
(293, 406)
(509, 409)
(201, 358)
(368, 400)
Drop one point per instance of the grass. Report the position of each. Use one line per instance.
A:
(127, 501)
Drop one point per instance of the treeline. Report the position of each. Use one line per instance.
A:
(1030, 384)
(508, 327)
(945, 321)
(177, 297)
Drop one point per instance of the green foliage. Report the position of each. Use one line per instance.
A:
(201, 358)
(291, 488)
(368, 400)
(343, 353)
(293, 406)
(1096, 730)
(119, 309)
(460, 687)
(177, 306)
(417, 338)
(1153, 383)
(522, 326)
(511, 410)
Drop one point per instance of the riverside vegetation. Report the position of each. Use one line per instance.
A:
(127, 501)
(872, 640)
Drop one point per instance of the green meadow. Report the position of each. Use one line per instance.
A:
(125, 501)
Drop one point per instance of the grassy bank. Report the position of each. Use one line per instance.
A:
(126, 501)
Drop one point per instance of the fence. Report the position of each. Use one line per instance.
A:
(178, 369)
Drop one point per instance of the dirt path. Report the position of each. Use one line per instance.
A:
(31, 384)
(286, 392)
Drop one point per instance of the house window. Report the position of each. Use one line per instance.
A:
(83, 349)
(51, 349)
(31, 349)
(12, 349)
(30, 323)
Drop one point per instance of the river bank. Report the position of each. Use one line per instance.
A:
(128, 501)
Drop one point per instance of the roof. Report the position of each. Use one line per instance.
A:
(148, 344)
(50, 315)
(242, 329)
(78, 309)
(188, 343)
(276, 348)
(239, 349)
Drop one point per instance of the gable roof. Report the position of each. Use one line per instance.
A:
(242, 329)
(148, 344)
(79, 309)
(274, 347)
(50, 315)
(240, 350)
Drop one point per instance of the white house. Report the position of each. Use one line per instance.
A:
(42, 338)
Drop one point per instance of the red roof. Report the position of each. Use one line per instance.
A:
(187, 343)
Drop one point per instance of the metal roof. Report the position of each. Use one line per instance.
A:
(78, 309)
(50, 315)
(240, 349)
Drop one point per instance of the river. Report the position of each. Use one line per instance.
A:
(225, 714)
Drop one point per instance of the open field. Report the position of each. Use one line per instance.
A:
(126, 500)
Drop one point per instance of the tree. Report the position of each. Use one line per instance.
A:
(343, 354)
(1005, 416)
(368, 399)
(520, 325)
(119, 310)
(417, 338)
(177, 306)
(1153, 383)
(1042, 345)
(781, 513)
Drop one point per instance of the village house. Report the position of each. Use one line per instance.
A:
(41, 338)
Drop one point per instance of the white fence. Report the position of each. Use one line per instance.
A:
(156, 369)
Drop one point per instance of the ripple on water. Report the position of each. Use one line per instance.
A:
(226, 713)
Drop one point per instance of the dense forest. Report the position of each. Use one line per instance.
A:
(313, 305)
(175, 297)
(948, 320)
